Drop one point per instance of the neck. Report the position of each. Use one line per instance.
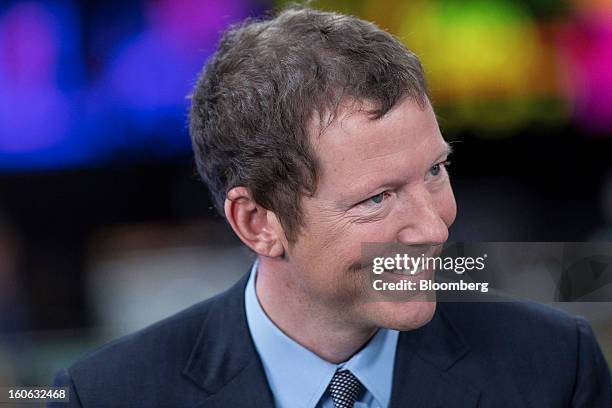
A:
(320, 329)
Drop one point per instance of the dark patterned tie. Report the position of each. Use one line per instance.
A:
(344, 388)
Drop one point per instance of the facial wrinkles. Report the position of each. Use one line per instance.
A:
(329, 224)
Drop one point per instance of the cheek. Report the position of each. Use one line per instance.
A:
(326, 260)
(333, 236)
(323, 249)
(325, 275)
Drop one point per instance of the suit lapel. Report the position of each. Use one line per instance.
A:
(224, 361)
(248, 389)
(423, 358)
(226, 365)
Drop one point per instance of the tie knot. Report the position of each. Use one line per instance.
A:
(344, 388)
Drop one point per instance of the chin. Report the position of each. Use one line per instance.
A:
(404, 316)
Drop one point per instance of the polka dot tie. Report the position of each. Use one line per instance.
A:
(344, 388)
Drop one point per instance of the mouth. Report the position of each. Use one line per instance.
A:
(405, 272)
(407, 275)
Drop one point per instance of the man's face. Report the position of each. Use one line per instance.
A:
(380, 181)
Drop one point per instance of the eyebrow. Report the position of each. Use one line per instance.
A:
(448, 150)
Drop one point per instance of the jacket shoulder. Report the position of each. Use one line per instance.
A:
(509, 318)
(138, 369)
(550, 354)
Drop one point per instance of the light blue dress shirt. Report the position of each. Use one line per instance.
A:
(299, 378)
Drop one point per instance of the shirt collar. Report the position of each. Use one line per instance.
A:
(298, 377)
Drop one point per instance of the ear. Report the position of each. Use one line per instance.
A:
(256, 226)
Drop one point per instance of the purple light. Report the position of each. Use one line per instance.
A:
(588, 48)
(156, 69)
(194, 24)
(34, 113)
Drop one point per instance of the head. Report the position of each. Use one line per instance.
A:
(315, 134)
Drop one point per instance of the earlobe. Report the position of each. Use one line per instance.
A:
(277, 235)
(256, 226)
(271, 249)
(277, 250)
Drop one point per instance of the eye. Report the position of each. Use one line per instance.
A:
(436, 168)
(378, 198)
(375, 199)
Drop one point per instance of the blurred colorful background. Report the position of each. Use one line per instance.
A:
(105, 228)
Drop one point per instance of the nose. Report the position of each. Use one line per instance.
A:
(422, 221)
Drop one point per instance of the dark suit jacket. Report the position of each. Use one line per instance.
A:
(470, 355)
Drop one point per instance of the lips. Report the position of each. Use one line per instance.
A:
(401, 274)
(405, 272)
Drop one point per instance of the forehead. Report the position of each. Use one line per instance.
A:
(356, 148)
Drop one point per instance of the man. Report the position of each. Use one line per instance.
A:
(315, 134)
